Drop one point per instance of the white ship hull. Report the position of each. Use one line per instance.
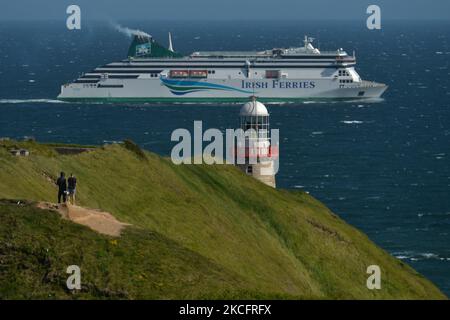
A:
(227, 90)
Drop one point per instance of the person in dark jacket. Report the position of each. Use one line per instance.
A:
(72, 187)
(62, 187)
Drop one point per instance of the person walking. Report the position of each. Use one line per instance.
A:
(62, 187)
(72, 186)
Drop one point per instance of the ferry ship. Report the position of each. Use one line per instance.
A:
(154, 73)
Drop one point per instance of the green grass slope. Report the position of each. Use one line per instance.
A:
(36, 247)
(224, 234)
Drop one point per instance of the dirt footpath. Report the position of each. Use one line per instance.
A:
(97, 220)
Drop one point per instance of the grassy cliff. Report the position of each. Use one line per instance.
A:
(197, 231)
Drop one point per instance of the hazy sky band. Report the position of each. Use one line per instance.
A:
(224, 10)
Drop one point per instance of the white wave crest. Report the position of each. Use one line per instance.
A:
(418, 256)
(352, 122)
(14, 101)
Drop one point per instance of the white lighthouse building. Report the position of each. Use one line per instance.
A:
(256, 148)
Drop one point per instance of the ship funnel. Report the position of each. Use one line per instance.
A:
(144, 46)
(141, 46)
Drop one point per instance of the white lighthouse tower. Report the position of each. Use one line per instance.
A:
(256, 146)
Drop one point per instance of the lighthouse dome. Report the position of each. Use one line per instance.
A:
(253, 108)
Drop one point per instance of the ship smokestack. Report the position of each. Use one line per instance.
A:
(141, 45)
(144, 46)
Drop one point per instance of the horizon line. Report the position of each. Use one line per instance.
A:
(226, 20)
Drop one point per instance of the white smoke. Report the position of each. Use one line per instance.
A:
(131, 32)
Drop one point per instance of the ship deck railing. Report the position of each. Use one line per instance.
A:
(363, 84)
(371, 84)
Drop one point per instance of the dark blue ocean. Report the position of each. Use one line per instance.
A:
(383, 167)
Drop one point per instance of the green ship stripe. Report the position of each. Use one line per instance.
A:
(201, 100)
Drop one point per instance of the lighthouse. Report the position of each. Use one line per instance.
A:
(255, 148)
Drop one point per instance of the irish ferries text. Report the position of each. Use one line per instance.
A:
(277, 84)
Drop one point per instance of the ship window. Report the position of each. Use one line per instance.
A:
(198, 73)
(361, 93)
(179, 73)
(272, 74)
